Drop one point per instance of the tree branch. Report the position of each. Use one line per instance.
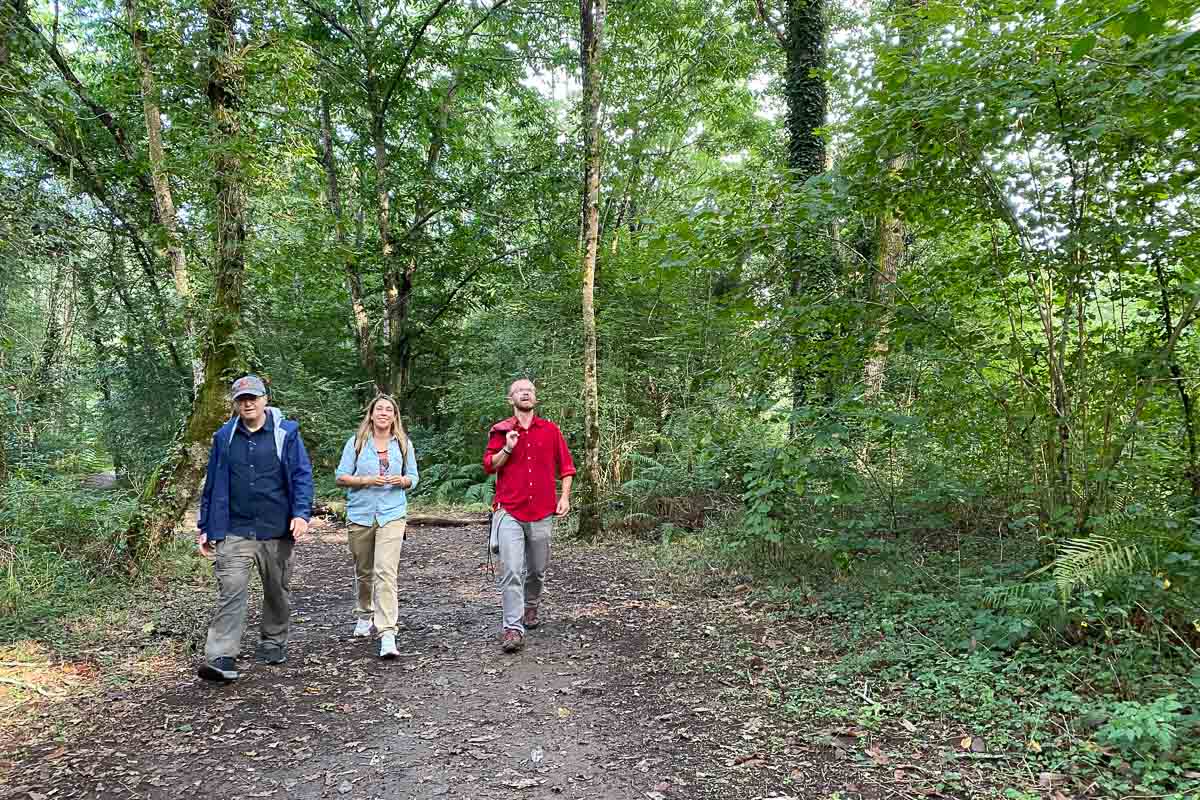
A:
(760, 9)
(332, 22)
(394, 81)
(55, 54)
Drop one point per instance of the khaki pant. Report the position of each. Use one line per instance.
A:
(235, 556)
(376, 549)
(524, 553)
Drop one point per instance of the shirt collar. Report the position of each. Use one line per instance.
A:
(268, 426)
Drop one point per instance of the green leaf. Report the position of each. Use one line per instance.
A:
(1140, 24)
(1083, 46)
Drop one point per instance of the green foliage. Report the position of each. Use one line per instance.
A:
(446, 484)
(1086, 561)
(1085, 690)
(58, 544)
(1143, 729)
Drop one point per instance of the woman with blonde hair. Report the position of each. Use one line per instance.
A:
(378, 466)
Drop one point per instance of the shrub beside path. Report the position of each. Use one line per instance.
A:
(640, 684)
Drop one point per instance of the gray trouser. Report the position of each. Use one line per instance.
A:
(235, 556)
(524, 552)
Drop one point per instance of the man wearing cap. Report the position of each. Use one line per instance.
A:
(257, 500)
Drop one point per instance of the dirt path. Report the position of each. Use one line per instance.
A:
(636, 686)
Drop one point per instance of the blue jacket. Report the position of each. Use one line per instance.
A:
(297, 475)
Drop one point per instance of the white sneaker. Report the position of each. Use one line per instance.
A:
(387, 646)
(362, 629)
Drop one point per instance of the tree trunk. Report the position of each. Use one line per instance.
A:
(1185, 399)
(890, 236)
(401, 279)
(393, 275)
(95, 334)
(44, 378)
(164, 203)
(176, 484)
(358, 310)
(592, 14)
(807, 101)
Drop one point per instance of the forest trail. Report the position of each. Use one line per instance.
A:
(638, 685)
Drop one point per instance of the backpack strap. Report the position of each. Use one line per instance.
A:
(403, 456)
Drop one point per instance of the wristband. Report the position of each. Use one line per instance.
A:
(506, 450)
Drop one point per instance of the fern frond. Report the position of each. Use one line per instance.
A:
(1023, 598)
(479, 493)
(1082, 562)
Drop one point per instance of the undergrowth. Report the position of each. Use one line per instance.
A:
(1099, 689)
(62, 554)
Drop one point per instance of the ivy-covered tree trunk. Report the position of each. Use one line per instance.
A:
(592, 14)
(890, 232)
(809, 259)
(176, 485)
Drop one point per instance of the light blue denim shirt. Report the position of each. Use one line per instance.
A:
(376, 504)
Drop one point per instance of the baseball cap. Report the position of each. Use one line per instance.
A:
(248, 384)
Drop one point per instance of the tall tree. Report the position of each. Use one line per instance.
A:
(333, 191)
(178, 480)
(591, 53)
(890, 233)
(803, 35)
(164, 202)
(56, 113)
(407, 69)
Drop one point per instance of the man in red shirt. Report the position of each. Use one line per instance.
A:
(528, 453)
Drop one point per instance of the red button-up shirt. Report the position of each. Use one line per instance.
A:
(525, 485)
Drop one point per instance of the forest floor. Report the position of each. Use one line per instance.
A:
(644, 681)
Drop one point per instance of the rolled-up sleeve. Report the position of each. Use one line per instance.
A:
(410, 461)
(346, 465)
(495, 445)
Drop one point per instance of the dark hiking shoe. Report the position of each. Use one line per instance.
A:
(512, 641)
(221, 670)
(271, 653)
(530, 620)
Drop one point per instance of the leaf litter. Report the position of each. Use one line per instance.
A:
(674, 685)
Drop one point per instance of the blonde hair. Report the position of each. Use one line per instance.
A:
(365, 428)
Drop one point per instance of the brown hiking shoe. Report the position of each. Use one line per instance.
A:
(512, 641)
(530, 620)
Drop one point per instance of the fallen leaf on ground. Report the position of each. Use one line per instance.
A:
(750, 760)
(1048, 780)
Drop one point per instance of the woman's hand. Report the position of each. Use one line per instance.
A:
(402, 481)
(375, 480)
